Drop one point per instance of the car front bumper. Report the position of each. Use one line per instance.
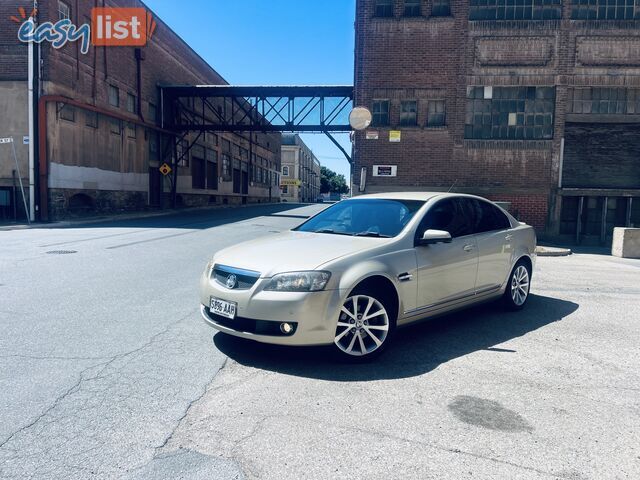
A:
(314, 314)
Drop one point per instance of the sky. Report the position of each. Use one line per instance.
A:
(272, 42)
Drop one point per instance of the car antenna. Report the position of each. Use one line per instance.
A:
(451, 188)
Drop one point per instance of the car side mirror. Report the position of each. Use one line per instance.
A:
(431, 237)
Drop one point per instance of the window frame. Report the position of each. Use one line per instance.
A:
(413, 10)
(405, 119)
(375, 114)
(114, 90)
(62, 15)
(132, 103)
(383, 8)
(422, 228)
(430, 115)
(441, 8)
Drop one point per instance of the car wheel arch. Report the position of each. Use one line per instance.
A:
(382, 285)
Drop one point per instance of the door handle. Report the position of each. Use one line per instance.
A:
(468, 248)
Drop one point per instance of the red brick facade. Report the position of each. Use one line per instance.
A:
(429, 58)
(87, 78)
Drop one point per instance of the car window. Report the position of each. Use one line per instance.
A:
(366, 217)
(449, 215)
(490, 218)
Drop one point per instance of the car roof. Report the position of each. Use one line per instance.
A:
(423, 196)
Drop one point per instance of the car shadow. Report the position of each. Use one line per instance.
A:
(416, 350)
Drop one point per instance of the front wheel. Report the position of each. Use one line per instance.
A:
(518, 287)
(364, 328)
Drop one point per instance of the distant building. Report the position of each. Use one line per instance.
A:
(100, 141)
(300, 176)
(532, 103)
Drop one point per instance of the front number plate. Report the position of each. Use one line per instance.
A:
(223, 308)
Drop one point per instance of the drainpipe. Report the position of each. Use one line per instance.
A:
(32, 94)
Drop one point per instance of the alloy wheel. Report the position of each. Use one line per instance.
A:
(520, 285)
(363, 326)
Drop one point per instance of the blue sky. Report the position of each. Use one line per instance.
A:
(272, 42)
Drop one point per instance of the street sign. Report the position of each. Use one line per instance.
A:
(290, 183)
(165, 169)
(6, 140)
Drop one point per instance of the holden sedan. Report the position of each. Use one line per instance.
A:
(353, 273)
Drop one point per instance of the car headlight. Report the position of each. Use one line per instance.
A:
(299, 282)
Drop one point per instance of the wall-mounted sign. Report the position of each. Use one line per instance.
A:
(385, 170)
(6, 140)
(25, 140)
(290, 183)
(395, 136)
(165, 169)
(372, 135)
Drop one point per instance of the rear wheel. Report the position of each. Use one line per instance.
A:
(365, 326)
(518, 287)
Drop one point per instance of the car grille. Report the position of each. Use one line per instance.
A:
(245, 278)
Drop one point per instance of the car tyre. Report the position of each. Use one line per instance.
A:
(366, 324)
(518, 287)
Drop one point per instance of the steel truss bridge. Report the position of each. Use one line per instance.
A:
(241, 109)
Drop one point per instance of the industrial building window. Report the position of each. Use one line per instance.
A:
(603, 100)
(380, 113)
(64, 12)
(605, 9)
(523, 113)
(131, 130)
(409, 113)
(211, 138)
(384, 8)
(153, 146)
(115, 127)
(212, 169)
(412, 8)
(91, 118)
(436, 115)
(516, 9)
(226, 145)
(114, 96)
(131, 103)
(67, 112)
(153, 113)
(285, 171)
(441, 8)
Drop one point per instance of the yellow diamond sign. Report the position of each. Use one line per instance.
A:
(165, 169)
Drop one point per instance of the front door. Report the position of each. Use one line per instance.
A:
(446, 271)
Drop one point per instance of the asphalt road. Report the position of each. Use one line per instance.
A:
(108, 372)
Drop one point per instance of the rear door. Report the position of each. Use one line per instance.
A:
(492, 230)
(446, 271)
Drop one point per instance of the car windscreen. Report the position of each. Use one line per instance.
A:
(366, 217)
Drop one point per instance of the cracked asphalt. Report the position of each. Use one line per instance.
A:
(107, 371)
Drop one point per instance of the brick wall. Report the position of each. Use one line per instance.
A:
(13, 54)
(430, 58)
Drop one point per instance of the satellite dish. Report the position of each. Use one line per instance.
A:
(360, 118)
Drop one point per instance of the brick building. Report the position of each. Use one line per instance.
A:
(100, 140)
(536, 103)
(300, 180)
